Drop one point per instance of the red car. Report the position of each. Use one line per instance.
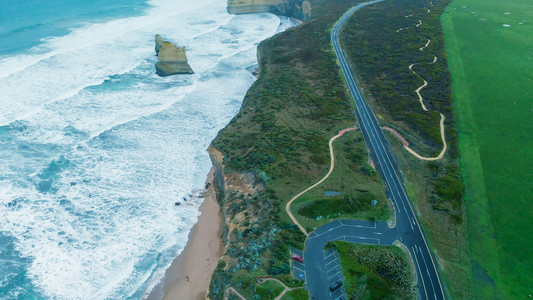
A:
(297, 258)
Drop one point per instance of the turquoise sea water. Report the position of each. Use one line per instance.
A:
(95, 148)
(23, 23)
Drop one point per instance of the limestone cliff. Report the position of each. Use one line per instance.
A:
(172, 59)
(300, 9)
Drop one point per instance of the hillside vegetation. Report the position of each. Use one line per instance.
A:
(277, 145)
(375, 272)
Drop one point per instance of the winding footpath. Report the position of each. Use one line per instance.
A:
(407, 230)
(286, 289)
(421, 100)
(231, 290)
(331, 167)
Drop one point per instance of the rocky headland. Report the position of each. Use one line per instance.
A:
(299, 9)
(172, 59)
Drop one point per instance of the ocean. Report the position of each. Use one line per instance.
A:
(95, 148)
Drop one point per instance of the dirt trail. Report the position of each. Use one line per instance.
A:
(234, 291)
(444, 148)
(331, 167)
(425, 46)
(417, 91)
(421, 100)
(285, 287)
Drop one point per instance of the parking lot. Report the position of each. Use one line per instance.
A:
(298, 268)
(334, 274)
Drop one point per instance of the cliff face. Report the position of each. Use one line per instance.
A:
(172, 59)
(300, 9)
(233, 188)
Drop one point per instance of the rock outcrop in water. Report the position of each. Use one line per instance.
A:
(299, 9)
(172, 59)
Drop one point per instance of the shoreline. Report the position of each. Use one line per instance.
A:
(189, 274)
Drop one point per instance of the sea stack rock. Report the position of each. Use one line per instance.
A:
(172, 59)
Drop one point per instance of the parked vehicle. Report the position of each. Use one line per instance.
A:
(297, 258)
(335, 286)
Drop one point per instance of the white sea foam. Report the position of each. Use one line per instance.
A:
(97, 148)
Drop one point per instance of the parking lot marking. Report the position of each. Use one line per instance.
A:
(329, 263)
(303, 271)
(332, 269)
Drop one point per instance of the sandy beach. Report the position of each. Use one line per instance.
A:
(189, 275)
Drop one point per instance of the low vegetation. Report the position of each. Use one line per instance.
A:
(375, 272)
(277, 145)
(356, 183)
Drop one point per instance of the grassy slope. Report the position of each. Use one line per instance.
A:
(352, 176)
(493, 93)
(281, 134)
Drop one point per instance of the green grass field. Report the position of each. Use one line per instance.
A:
(489, 45)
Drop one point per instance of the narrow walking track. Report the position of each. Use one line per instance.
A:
(229, 290)
(285, 287)
(331, 167)
(421, 100)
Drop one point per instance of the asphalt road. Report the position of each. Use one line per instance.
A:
(407, 228)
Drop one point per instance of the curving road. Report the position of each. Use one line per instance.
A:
(407, 230)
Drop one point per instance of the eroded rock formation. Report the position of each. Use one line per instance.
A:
(299, 9)
(172, 59)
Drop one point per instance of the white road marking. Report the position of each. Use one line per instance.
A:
(303, 271)
(329, 263)
(420, 272)
(429, 275)
(329, 255)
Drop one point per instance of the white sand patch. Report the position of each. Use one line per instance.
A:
(506, 25)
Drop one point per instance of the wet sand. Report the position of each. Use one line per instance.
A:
(189, 275)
